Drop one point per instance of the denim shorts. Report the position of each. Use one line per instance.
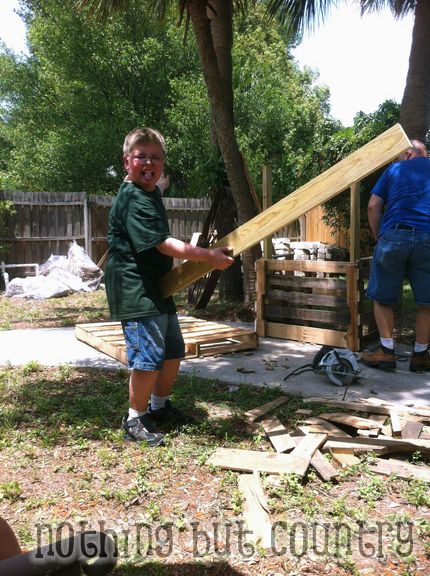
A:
(151, 340)
(400, 254)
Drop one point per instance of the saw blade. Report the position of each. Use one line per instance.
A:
(341, 372)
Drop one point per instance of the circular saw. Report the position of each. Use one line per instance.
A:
(338, 364)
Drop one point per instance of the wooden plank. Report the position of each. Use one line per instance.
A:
(380, 444)
(401, 469)
(260, 324)
(318, 461)
(412, 443)
(277, 434)
(255, 413)
(412, 429)
(350, 420)
(305, 299)
(330, 183)
(396, 426)
(285, 313)
(250, 460)
(324, 467)
(380, 418)
(308, 266)
(255, 510)
(307, 447)
(352, 297)
(344, 458)
(306, 334)
(334, 446)
(317, 425)
(322, 285)
(370, 407)
(354, 243)
(267, 202)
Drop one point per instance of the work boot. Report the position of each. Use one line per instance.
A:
(383, 358)
(139, 430)
(420, 361)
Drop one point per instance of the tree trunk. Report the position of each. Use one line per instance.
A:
(415, 107)
(221, 104)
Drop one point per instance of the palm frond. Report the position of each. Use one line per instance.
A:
(101, 9)
(300, 14)
(398, 7)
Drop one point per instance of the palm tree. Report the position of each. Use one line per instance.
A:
(415, 106)
(212, 23)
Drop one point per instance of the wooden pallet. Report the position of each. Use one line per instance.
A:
(322, 302)
(202, 338)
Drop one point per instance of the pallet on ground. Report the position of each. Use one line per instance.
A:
(202, 338)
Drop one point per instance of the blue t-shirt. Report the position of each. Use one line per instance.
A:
(405, 190)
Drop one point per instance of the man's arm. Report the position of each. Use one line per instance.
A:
(216, 257)
(374, 214)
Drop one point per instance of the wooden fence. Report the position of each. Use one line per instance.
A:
(46, 223)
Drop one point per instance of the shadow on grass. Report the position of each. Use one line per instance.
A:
(72, 404)
(185, 569)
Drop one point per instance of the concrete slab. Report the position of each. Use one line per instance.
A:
(50, 347)
(266, 366)
(275, 359)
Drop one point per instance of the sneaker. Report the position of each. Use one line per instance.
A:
(169, 415)
(139, 430)
(420, 361)
(382, 358)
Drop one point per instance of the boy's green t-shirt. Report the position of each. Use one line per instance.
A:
(137, 224)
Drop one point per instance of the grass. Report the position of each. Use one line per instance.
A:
(64, 462)
(80, 308)
(67, 311)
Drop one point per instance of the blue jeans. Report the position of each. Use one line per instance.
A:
(400, 254)
(151, 340)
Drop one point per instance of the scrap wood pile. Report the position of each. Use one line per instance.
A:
(384, 429)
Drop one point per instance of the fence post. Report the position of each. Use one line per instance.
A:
(87, 226)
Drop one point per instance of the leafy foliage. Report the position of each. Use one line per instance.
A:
(344, 142)
(281, 116)
(65, 108)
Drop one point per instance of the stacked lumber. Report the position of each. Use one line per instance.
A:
(381, 427)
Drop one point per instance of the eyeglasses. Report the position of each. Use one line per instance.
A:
(144, 159)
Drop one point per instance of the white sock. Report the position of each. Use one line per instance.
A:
(420, 347)
(388, 343)
(158, 402)
(132, 413)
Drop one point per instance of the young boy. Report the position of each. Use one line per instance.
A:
(141, 251)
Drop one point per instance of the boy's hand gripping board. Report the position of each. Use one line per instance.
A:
(378, 152)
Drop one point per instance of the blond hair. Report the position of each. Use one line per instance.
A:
(143, 136)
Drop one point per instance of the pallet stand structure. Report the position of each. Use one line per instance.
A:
(321, 302)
